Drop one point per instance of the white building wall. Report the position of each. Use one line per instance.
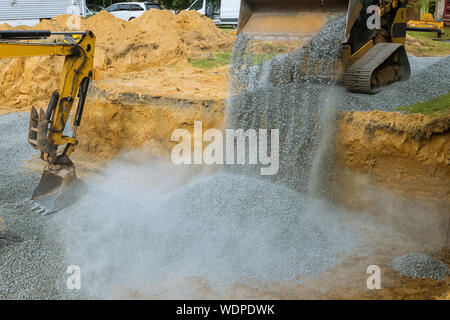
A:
(229, 9)
(38, 9)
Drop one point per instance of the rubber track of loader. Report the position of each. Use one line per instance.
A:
(358, 76)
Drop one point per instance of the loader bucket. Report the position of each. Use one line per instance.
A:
(285, 20)
(58, 188)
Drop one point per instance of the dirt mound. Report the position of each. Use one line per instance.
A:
(158, 37)
(4, 26)
(415, 46)
(426, 47)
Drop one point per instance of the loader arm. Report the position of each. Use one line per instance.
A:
(58, 183)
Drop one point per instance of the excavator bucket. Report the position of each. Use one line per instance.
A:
(275, 20)
(58, 188)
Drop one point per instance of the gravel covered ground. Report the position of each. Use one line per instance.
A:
(32, 264)
(422, 266)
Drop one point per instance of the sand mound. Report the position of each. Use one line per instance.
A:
(157, 38)
(4, 26)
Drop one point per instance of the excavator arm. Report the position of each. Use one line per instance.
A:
(59, 186)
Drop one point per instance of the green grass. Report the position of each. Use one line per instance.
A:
(430, 35)
(223, 58)
(435, 107)
(429, 46)
(226, 27)
(213, 61)
(262, 57)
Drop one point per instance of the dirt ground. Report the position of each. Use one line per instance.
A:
(130, 114)
(405, 154)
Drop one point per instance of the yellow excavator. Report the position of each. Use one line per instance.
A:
(59, 186)
(371, 58)
(427, 24)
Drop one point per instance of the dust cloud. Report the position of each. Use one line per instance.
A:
(142, 228)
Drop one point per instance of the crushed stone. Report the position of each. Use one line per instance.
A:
(420, 266)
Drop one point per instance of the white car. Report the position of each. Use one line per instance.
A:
(224, 12)
(131, 10)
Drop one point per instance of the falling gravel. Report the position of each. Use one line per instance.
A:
(274, 95)
(420, 266)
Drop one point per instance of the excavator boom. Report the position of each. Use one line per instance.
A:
(59, 186)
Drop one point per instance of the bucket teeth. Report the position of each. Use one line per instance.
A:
(37, 208)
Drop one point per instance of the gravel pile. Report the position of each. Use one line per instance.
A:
(422, 266)
(226, 229)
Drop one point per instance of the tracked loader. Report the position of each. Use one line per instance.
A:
(373, 54)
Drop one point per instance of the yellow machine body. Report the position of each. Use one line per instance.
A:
(428, 24)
